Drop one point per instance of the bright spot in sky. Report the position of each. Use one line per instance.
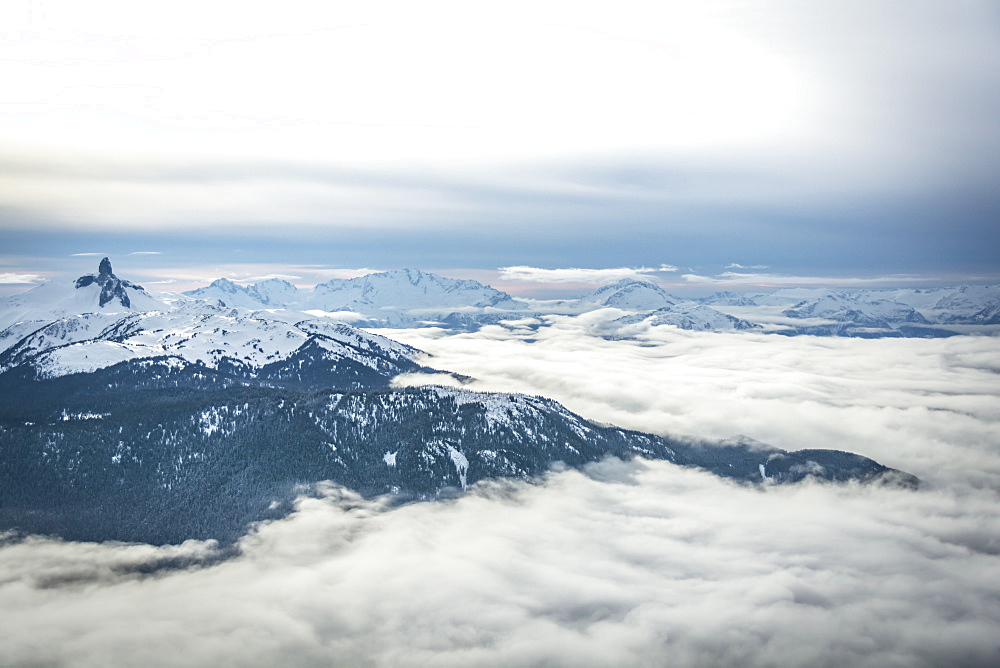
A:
(374, 82)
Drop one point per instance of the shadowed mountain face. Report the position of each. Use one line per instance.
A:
(99, 456)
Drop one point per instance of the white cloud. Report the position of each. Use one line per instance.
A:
(14, 278)
(268, 277)
(930, 407)
(576, 275)
(627, 564)
(86, 254)
(769, 280)
(146, 253)
(740, 266)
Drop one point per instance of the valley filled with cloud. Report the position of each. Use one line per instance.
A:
(624, 562)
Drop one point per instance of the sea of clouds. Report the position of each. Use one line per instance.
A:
(623, 563)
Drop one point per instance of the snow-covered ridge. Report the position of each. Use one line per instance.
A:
(402, 297)
(53, 314)
(692, 316)
(102, 320)
(195, 333)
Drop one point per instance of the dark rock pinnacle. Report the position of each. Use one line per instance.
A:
(112, 287)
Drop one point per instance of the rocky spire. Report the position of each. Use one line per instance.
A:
(112, 287)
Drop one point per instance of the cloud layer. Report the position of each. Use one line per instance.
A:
(624, 563)
(931, 407)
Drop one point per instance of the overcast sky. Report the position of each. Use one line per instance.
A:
(816, 139)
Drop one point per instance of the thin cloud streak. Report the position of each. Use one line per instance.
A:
(10, 278)
(778, 280)
(577, 275)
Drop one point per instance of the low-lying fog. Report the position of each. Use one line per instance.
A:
(623, 563)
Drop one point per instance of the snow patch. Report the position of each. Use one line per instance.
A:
(461, 464)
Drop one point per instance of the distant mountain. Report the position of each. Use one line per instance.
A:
(397, 298)
(691, 316)
(631, 295)
(412, 298)
(857, 309)
(968, 304)
(988, 315)
(727, 298)
(273, 293)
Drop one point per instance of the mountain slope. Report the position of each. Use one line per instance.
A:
(119, 463)
(202, 334)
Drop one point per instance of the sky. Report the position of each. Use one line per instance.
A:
(809, 142)
(640, 563)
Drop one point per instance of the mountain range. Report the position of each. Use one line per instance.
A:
(411, 298)
(129, 418)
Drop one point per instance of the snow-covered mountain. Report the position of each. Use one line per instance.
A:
(967, 304)
(858, 309)
(691, 316)
(631, 295)
(412, 298)
(237, 341)
(727, 298)
(913, 312)
(102, 292)
(103, 321)
(272, 293)
(397, 298)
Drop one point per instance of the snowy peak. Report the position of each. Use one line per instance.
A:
(691, 316)
(102, 292)
(229, 293)
(407, 289)
(113, 289)
(632, 295)
(727, 298)
(274, 292)
(391, 298)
